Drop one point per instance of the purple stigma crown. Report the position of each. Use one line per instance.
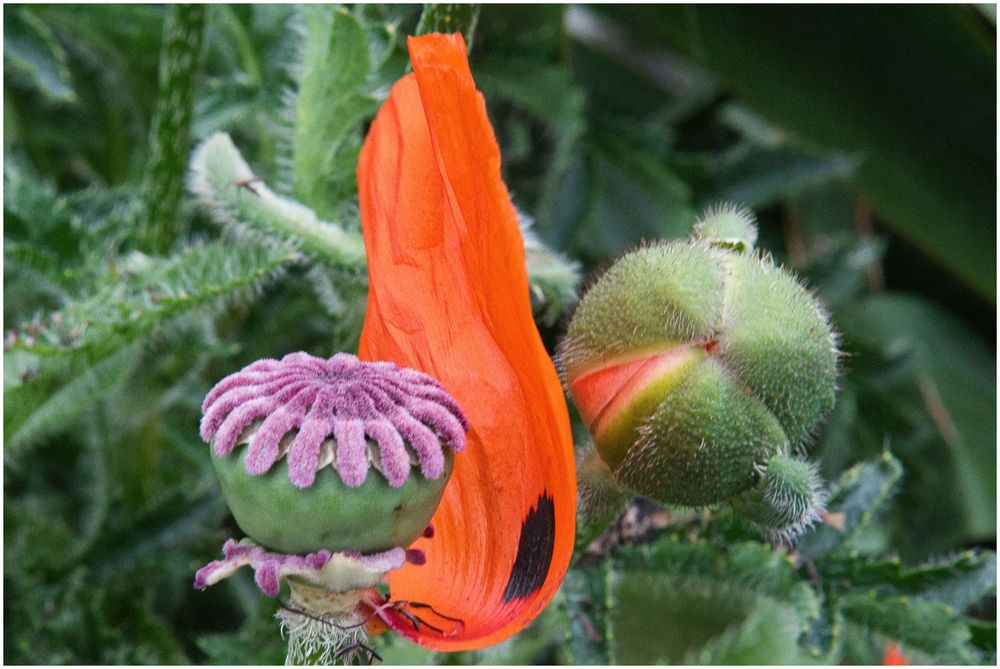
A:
(340, 412)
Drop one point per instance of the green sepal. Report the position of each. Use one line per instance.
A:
(777, 340)
(656, 297)
(703, 443)
(729, 227)
(788, 500)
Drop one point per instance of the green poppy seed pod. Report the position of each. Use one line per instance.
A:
(335, 455)
(371, 517)
(695, 363)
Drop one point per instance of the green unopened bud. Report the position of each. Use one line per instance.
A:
(727, 226)
(788, 500)
(695, 363)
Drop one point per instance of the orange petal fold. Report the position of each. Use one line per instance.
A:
(448, 295)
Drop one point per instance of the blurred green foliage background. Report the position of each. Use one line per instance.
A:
(863, 137)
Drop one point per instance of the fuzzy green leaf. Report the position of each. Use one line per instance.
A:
(329, 108)
(768, 635)
(71, 361)
(673, 598)
(235, 197)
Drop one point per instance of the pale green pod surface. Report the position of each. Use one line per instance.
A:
(702, 442)
(777, 340)
(328, 514)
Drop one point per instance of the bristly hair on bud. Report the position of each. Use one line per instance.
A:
(729, 226)
(789, 499)
(699, 365)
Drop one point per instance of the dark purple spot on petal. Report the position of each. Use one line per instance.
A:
(534, 550)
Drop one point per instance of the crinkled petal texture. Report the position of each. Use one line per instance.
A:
(449, 296)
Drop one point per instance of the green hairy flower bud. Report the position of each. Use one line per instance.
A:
(699, 366)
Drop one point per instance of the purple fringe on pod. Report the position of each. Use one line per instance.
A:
(269, 568)
(342, 398)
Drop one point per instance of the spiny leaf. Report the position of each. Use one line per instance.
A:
(30, 200)
(32, 276)
(72, 360)
(661, 617)
(768, 635)
(928, 627)
(858, 496)
(42, 404)
(748, 565)
(957, 582)
(698, 591)
(145, 292)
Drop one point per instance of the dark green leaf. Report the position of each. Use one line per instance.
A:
(927, 631)
(858, 496)
(923, 117)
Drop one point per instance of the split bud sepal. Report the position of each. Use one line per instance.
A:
(696, 363)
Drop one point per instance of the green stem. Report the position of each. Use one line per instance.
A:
(170, 133)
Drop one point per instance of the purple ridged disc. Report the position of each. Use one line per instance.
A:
(293, 405)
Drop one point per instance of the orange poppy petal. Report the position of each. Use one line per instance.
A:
(448, 295)
(893, 656)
